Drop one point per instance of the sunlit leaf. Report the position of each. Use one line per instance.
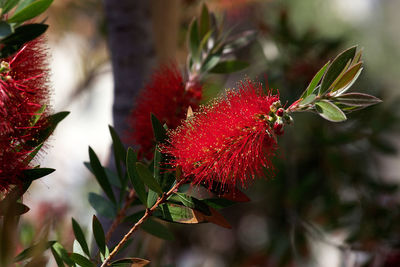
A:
(336, 67)
(80, 237)
(329, 111)
(314, 82)
(30, 11)
(130, 262)
(357, 99)
(81, 260)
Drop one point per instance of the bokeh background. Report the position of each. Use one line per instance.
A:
(335, 199)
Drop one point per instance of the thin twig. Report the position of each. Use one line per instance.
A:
(121, 214)
(147, 214)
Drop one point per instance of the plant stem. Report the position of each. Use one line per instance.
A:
(147, 214)
(121, 214)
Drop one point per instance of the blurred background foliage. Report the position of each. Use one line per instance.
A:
(334, 200)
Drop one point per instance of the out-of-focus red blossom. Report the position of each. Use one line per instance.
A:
(23, 91)
(229, 142)
(167, 98)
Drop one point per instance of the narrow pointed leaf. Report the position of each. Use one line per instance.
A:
(102, 206)
(57, 258)
(157, 229)
(34, 250)
(80, 237)
(137, 183)
(30, 11)
(8, 5)
(194, 41)
(119, 151)
(330, 111)
(190, 202)
(357, 99)
(36, 173)
(204, 26)
(314, 82)
(130, 262)
(160, 134)
(100, 175)
(147, 178)
(17, 209)
(81, 260)
(23, 34)
(98, 233)
(336, 67)
(181, 214)
(62, 253)
(308, 99)
(348, 77)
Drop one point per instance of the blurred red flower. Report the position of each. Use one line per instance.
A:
(230, 141)
(24, 90)
(168, 98)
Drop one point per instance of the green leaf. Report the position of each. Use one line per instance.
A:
(111, 175)
(314, 82)
(147, 178)
(190, 202)
(133, 175)
(309, 99)
(33, 250)
(210, 62)
(30, 11)
(58, 249)
(57, 258)
(80, 237)
(182, 214)
(23, 34)
(348, 77)
(36, 173)
(5, 29)
(239, 41)
(157, 229)
(81, 260)
(329, 111)
(35, 118)
(130, 262)
(160, 134)
(229, 66)
(119, 151)
(8, 5)
(357, 99)
(100, 175)
(98, 233)
(23, 4)
(194, 41)
(53, 121)
(102, 205)
(204, 21)
(337, 66)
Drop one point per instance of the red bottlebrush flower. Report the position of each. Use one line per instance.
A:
(167, 98)
(23, 91)
(230, 141)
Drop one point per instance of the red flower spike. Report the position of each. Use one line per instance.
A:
(23, 91)
(229, 142)
(166, 97)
